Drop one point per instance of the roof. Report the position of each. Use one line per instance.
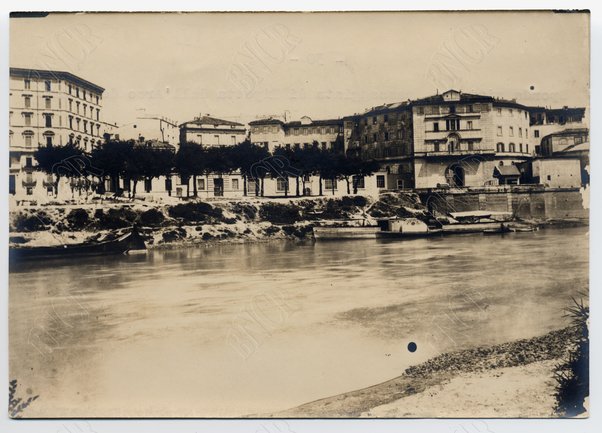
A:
(568, 131)
(575, 148)
(207, 120)
(325, 122)
(51, 74)
(268, 121)
(508, 170)
(387, 108)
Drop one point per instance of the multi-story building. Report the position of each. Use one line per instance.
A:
(546, 121)
(562, 140)
(460, 139)
(268, 133)
(568, 144)
(384, 133)
(48, 108)
(272, 133)
(210, 131)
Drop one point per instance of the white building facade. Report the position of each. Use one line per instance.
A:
(49, 108)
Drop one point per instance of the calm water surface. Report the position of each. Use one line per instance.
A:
(246, 329)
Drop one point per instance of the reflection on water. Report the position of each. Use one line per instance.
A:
(240, 329)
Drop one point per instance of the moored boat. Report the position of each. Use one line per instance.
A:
(122, 244)
(345, 233)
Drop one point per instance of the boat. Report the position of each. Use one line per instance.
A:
(396, 228)
(499, 230)
(387, 234)
(121, 245)
(345, 233)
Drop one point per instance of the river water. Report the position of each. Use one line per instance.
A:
(234, 330)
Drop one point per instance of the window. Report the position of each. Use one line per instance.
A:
(536, 133)
(27, 101)
(436, 147)
(281, 184)
(49, 140)
(499, 131)
(527, 148)
(452, 124)
(380, 181)
(386, 117)
(511, 129)
(330, 184)
(84, 95)
(469, 124)
(27, 117)
(358, 182)
(499, 111)
(48, 85)
(70, 89)
(296, 131)
(511, 147)
(374, 137)
(27, 84)
(233, 139)
(86, 126)
(70, 122)
(511, 111)
(520, 132)
(470, 146)
(77, 92)
(28, 162)
(47, 103)
(520, 147)
(305, 131)
(27, 137)
(235, 184)
(386, 136)
(216, 137)
(200, 184)
(435, 126)
(77, 106)
(96, 99)
(500, 147)
(374, 120)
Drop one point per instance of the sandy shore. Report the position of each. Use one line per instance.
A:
(513, 379)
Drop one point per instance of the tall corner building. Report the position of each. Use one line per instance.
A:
(49, 108)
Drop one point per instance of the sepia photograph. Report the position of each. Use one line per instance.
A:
(288, 215)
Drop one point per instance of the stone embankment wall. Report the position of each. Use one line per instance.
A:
(523, 202)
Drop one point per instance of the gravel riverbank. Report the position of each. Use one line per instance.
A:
(457, 371)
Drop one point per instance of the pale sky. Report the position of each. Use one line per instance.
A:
(322, 65)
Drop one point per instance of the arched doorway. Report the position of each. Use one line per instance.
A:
(455, 175)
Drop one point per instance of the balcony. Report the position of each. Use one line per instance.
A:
(456, 152)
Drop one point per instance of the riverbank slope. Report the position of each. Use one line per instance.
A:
(513, 379)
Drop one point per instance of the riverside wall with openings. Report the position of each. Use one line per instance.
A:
(522, 201)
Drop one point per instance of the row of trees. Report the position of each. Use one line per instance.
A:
(136, 161)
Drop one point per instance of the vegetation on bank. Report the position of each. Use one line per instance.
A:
(137, 161)
(197, 221)
(572, 375)
(437, 371)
